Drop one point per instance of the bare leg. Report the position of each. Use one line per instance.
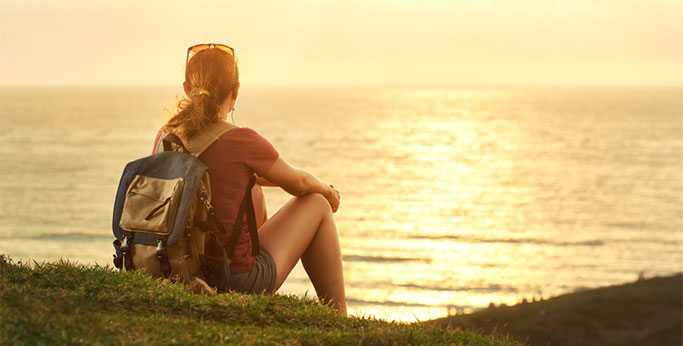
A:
(304, 228)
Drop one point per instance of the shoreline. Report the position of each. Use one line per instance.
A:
(648, 311)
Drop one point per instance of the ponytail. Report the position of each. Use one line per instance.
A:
(210, 78)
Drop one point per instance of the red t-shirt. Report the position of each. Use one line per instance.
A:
(232, 160)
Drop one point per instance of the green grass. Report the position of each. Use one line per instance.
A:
(67, 303)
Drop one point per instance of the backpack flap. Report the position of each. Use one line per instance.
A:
(151, 205)
(177, 175)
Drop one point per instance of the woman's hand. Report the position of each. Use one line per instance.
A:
(333, 197)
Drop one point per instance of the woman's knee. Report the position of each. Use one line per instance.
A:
(317, 201)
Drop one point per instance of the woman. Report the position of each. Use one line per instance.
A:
(304, 228)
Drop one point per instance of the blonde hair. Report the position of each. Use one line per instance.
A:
(211, 77)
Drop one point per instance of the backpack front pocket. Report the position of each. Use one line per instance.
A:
(151, 205)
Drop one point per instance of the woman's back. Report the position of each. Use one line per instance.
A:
(232, 161)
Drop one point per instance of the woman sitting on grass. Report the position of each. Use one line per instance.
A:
(304, 228)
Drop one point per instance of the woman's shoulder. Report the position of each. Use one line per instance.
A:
(247, 144)
(245, 138)
(242, 133)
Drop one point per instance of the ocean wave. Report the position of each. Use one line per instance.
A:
(358, 258)
(489, 288)
(359, 301)
(468, 239)
(77, 236)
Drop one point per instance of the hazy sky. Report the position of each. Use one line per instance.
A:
(347, 42)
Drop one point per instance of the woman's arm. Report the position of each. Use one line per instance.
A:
(298, 182)
(264, 182)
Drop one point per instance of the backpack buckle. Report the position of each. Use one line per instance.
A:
(118, 255)
(125, 246)
(204, 197)
(160, 252)
(126, 258)
(161, 248)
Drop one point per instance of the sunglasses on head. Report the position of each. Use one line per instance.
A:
(203, 46)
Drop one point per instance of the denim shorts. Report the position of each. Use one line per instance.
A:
(259, 279)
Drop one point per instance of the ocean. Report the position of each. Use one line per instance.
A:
(452, 197)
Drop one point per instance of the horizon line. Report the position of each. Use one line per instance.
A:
(329, 85)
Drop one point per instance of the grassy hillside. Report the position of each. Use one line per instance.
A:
(63, 303)
(646, 312)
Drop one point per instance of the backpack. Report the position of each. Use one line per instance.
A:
(163, 218)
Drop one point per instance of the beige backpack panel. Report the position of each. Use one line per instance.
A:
(151, 205)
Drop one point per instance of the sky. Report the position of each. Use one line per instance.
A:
(347, 42)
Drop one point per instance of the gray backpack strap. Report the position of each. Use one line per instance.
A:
(171, 138)
(199, 143)
(246, 207)
(159, 144)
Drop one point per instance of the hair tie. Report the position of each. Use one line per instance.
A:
(202, 92)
